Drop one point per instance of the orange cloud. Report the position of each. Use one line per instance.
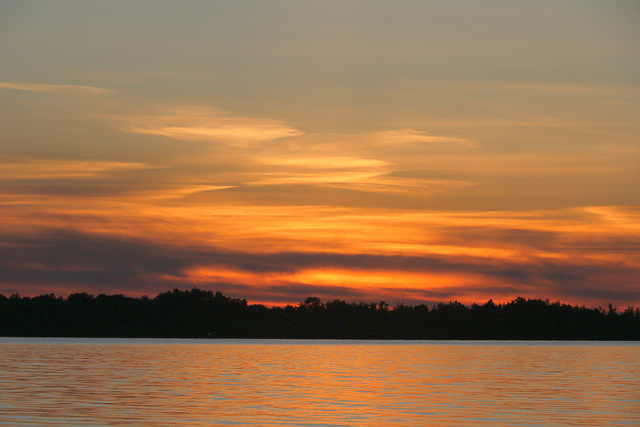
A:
(182, 191)
(201, 220)
(407, 136)
(344, 252)
(326, 162)
(207, 124)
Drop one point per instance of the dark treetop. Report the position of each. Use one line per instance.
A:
(204, 314)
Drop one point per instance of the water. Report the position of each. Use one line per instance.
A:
(323, 383)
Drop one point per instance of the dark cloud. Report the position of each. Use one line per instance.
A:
(605, 244)
(82, 261)
(516, 236)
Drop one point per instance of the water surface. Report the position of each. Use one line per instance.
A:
(291, 382)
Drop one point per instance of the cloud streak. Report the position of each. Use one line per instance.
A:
(412, 136)
(52, 168)
(208, 125)
(69, 89)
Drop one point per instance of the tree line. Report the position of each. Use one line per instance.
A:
(197, 313)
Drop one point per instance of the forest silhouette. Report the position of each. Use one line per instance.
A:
(197, 313)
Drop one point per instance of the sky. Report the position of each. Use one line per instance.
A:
(411, 151)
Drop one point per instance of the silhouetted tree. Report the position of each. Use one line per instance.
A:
(203, 314)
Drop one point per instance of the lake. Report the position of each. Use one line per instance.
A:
(62, 381)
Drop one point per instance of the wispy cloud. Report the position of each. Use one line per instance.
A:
(319, 170)
(326, 162)
(187, 190)
(415, 188)
(207, 124)
(409, 136)
(355, 162)
(71, 89)
(52, 168)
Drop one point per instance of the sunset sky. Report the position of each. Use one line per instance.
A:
(410, 151)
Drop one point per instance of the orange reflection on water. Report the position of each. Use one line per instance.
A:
(203, 382)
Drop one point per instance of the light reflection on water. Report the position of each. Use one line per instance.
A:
(280, 382)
